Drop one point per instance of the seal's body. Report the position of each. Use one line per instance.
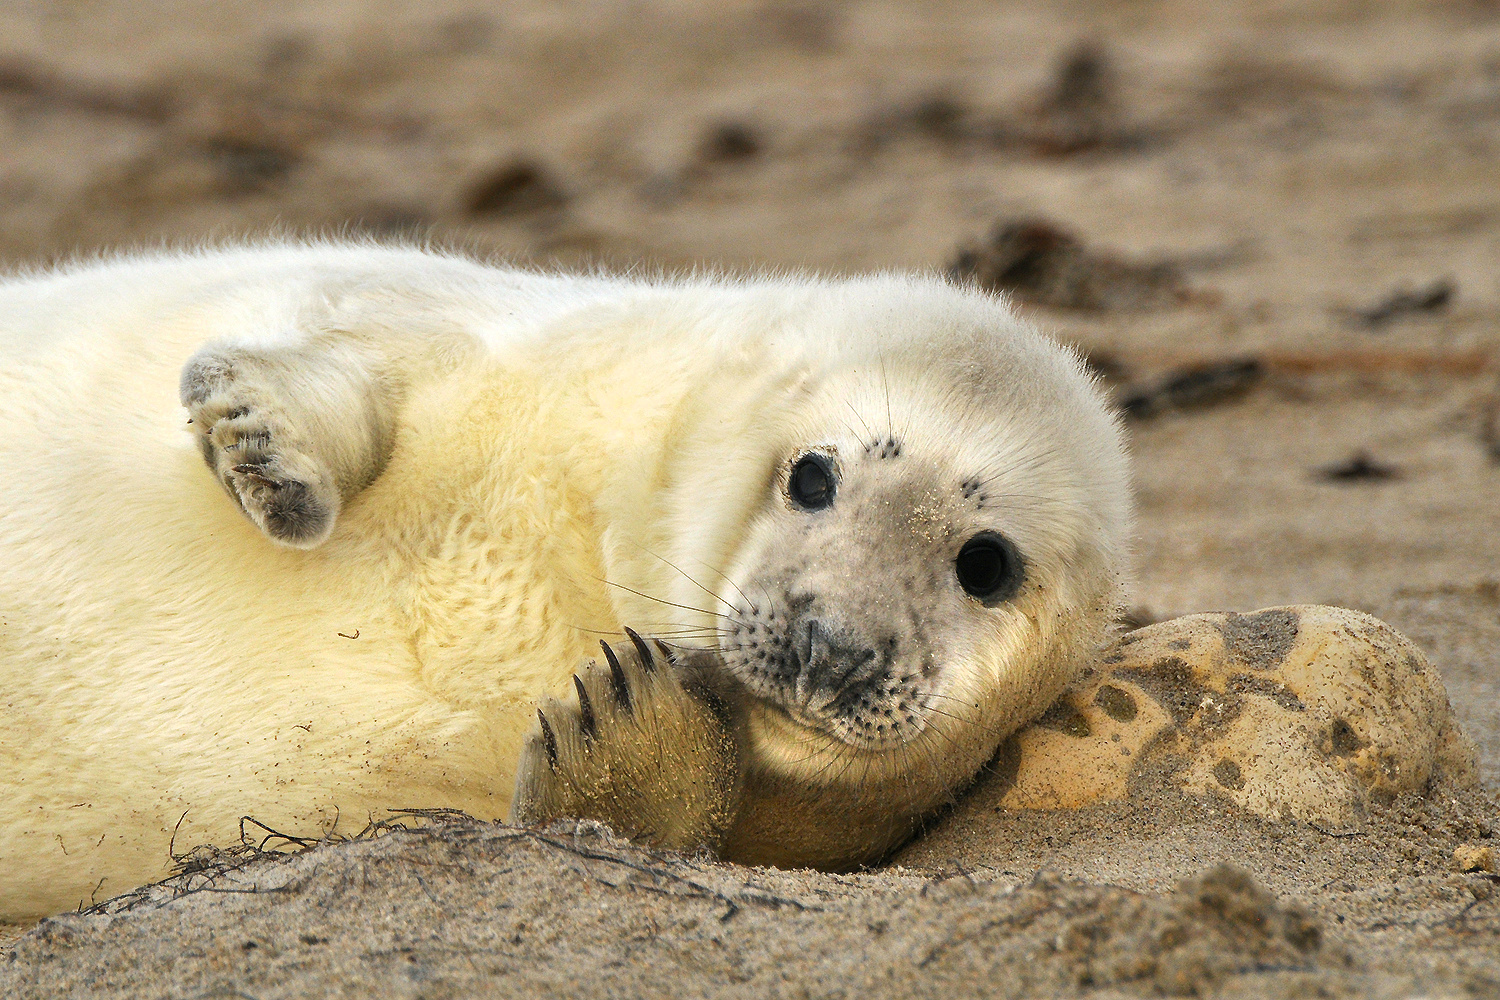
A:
(887, 512)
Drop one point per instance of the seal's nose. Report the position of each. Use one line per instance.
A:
(831, 661)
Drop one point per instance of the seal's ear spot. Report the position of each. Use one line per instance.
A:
(812, 484)
(990, 568)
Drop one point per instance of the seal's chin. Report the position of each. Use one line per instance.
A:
(816, 731)
(792, 715)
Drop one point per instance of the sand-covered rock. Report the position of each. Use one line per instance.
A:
(1475, 858)
(1308, 712)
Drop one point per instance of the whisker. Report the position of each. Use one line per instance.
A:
(835, 748)
(903, 768)
(726, 578)
(770, 601)
(869, 434)
(670, 604)
(809, 740)
(683, 646)
(689, 626)
(682, 630)
(949, 697)
(885, 384)
(589, 631)
(938, 732)
(948, 792)
(689, 579)
(994, 731)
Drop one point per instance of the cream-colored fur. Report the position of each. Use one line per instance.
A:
(536, 461)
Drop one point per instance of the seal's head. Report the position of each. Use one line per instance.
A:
(910, 509)
(934, 544)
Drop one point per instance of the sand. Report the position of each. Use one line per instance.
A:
(1278, 175)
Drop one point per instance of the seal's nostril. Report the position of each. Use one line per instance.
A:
(814, 641)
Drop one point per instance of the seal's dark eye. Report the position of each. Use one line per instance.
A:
(990, 569)
(812, 484)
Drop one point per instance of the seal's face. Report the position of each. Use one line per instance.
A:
(931, 556)
(881, 558)
(907, 510)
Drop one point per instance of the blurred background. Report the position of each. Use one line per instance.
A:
(1272, 227)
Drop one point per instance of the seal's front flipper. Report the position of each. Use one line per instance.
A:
(637, 750)
(292, 432)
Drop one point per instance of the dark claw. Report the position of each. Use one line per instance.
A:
(586, 718)
(549, 739)
(648, 661)
(617, 677)
(257, 473)
(666, 652)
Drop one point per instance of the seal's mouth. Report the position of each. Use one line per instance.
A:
(862, 725)
(814, 670)
(791, 712)
(833, 731)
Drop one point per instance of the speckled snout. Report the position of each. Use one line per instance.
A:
(799, 653)
(838, 628)
(835, 665)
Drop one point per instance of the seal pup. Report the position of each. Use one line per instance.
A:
(310, 532)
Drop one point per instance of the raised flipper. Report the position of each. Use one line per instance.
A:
(292, 432)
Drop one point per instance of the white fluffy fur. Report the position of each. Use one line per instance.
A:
(165, 667)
